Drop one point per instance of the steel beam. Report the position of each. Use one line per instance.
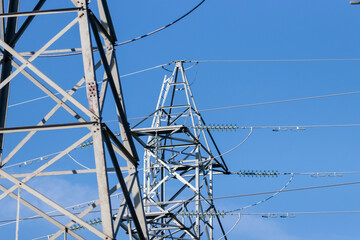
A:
(123, 186)
(41, 213)
(92, 95)
(47, 127)
(54, 205)
(48, 164)
(42, 122)
(37, 12)
(26, 23)
(115, 86)
(2, 21)
(6, 67)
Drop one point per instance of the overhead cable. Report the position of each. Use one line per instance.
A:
(284, 214)
(232, 149)
(77, 162)
(125, 75)
(264, 215)
(212, 109)
(266, 199)
(252, 173)
(260, 193)
(144, 70)
(291, 190)
(231, 127)
(232, 228)
(162, 28)
(219, 213)
(270, 102)
(280, 101)
(301, 127)
(77, 51)
(274, 60)
(73, 207)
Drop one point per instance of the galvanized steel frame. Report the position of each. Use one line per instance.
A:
(104, 34)
(177, 150)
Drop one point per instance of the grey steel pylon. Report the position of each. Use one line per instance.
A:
(87, 113)
(178, 164)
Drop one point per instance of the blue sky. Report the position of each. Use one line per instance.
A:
(257, 30)
(231, 30)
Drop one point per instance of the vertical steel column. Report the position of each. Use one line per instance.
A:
(94, 106)
(2, 20)
(197, 198)
(211, 197)
(125, 133)
(6, 67)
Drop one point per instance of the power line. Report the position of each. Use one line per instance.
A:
(231, 127)
(264, 215)
(270, 102)
(285, 214)
(266, 199)
(162, 28)
(232, 228)
(77, 51)
(219, 213)
(291, 190)
(77, 162)
(212, 109)
(144, 70)
(125, 75)
(295, 213)
(280, 101)
(31, 161)
(232, 149)
(29, 101)
(274, 60)
(260, 193)
(73, 207)
(253, 173)
(300, 127)
(303, 126)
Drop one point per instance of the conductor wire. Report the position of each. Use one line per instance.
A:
(229, 151)
(270, 102)
(280, 101)
(77, 162)
(232, 228)
(276, 60)
(162, 28)
(262, 193)
(126, 75)
(266, 199)
(77, 51)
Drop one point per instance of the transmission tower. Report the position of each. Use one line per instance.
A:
(80, 116)
(178, 164)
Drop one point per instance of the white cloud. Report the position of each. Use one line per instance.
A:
(255, 227)
(63, 191)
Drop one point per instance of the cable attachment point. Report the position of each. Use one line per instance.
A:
(253, 173)
(354, 2)
(275, 215)
(278, 129)
(91, 222)
(218, 127)
(334, 174)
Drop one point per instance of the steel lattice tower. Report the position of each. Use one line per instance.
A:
(178, 164)
(86, 113)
